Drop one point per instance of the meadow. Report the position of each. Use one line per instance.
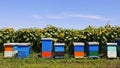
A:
(34, 61)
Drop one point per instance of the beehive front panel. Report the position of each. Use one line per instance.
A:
(23, 54)
(46, 54)
(93, 48)
(59, 48)
(111, 51)
(78, 54)
(78, 48)
(23, 48)
(8, 48)
(112, 54)
(93, 53)
(8, 54)
(59, 53)
(112, 48)
(23, 51)
(47, 45)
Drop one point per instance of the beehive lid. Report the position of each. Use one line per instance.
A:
(23, 44)
(93, 43)
(10, 44)
(111, 43)
(46, 39)
(59, 44)
(78, 44)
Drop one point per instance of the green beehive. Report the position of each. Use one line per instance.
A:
(93, 49)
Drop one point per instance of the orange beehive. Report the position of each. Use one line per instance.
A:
(79, 50)
(79, 54)
(9, 49)
(46, 54)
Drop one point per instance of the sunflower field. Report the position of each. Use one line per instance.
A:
(33, 35)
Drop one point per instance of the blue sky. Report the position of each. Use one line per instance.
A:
(76, 14)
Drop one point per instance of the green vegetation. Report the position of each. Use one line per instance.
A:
(36, 62)
(67, 36)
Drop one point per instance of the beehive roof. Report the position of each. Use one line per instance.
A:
(78, 43)
(59, 44)
(111, 43)
(9, 44)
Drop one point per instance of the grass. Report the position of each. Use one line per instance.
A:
(36, 62)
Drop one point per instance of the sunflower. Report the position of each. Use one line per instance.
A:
(39, 31)
(25, 30)
(10, 29)
(61, 35)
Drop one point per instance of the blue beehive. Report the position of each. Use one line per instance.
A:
(93, 49)
(117, 40)
(23, 50)
(47, 44)
(47, 47)
(59, 49)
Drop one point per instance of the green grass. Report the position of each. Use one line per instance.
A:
(36, 62)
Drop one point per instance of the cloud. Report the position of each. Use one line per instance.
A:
(54, 17)
(36, 16)
(64, 16)
(96, 17)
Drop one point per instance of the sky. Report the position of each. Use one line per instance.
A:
(71, 14)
